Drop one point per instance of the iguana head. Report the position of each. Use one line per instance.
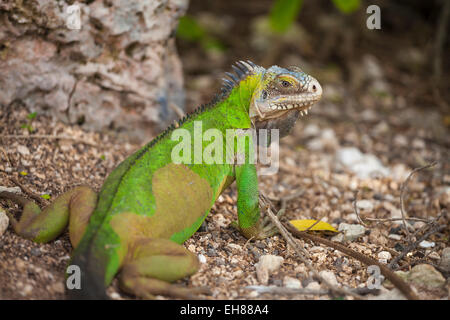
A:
(279, 95)
(281, 91)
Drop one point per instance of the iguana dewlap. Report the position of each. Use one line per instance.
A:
(149, 205)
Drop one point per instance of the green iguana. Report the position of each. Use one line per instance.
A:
(149, 205)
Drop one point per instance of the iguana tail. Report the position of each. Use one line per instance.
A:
(90, 285)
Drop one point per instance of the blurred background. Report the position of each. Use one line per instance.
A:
(386, 88)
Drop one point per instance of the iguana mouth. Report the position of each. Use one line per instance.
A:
(303, 103)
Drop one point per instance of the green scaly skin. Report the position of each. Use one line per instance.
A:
(149, 205)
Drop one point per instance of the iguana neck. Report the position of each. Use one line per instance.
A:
(247, 87)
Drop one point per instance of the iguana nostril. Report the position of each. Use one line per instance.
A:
(314, 88)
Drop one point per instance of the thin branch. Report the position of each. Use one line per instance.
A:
(402, 193)
(27, 191)
(49, 137)
(434, 228)
(301, 252)
(396, 280)
(355, 209)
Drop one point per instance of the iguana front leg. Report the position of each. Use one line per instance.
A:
(250, 222)
(73, 207)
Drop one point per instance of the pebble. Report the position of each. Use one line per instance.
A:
(427, 244)
(27, 289)
(10, 189)
(4, 221)
(384, 256)
(427, 275)
(366, 205)
(292, 283)
(266, 265)
(329, 276)
(395, 237)
(363, 165)
(35, 252)
(201, 258)
(351, 231)
(23, 150)
(444, 263)
(314, 285)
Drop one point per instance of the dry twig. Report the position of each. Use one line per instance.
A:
(402, 193)
(49, 137)
(301, 252)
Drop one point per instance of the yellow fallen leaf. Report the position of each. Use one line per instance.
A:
(302, 225)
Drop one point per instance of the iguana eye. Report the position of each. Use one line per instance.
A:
(264, 94)
(285, 83)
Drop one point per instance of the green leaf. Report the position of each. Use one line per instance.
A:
(283, 14)
(303, 225)
(32, 115)
(45, 196)
(103, 157)
(188, 29)
(347, 6)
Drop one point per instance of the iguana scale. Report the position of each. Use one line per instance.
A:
(149, 205)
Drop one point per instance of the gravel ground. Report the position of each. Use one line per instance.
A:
(310, 168)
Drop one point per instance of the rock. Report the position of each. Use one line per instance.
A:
(4, 221)
(351, 231)
(314, 285)
(58, 287)
(393, 294)
(292, 283)
(384, 256)
(434, 255)
(10, 189)
(395, 237)
(338, 238)
(363, 165)
(201, 258)
(329, 276)
(266, 265)
(427, 244)
(23, 150)
(366, 205)
(419, 224)
(326, 140)
(311, 130)
(27, 289)
(427, 275)
(444, 263)
(119, 69)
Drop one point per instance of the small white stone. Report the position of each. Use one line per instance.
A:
(292, 283)
(267, 264)
(426, 244)
(10, 189)
(384, 256)
(313, 286)
(351, 231)
(115, 296)
(365, 205)
(23, 150)
(4, 221)
(329, 276)
(201, 258)
(395, 237)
